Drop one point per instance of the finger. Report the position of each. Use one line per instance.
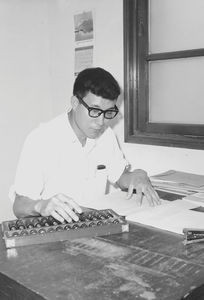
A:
(70, 202)
(64, 214)
(75, 206)
(149, 197)
(139, 195)
(130, 191)
(69, 211)
(154, 195)
(65, 210)
(55, 215)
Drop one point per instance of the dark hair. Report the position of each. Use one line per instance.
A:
(97, 81)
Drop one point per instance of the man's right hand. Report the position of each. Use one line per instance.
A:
(60, 207)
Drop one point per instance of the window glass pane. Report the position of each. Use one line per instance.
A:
(175, 25)
(176, 90)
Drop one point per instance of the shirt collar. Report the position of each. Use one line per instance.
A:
(71, 132)
(90, 143)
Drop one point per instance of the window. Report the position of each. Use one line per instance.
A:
(164, 72)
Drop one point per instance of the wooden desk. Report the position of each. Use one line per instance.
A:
(144, 264)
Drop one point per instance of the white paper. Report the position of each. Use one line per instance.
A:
(196, 198)
(120, 204)
(173, 216)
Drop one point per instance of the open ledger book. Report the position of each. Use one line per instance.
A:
(170, 215)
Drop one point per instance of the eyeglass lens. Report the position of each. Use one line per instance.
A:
(108, 114)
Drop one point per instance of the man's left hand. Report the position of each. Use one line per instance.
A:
(142, 184)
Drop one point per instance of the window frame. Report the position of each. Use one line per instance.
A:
(138, 129)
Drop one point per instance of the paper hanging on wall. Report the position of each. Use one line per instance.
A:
(84, 35)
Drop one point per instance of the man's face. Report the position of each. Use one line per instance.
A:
(92, 127)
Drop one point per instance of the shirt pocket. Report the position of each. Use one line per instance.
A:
(100, 179)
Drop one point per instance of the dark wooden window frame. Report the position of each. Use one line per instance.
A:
(138, 129)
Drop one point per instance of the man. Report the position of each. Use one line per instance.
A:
(67, 161)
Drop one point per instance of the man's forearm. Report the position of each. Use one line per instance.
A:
(24, 207)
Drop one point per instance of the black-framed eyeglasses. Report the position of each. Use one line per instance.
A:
(96, 112)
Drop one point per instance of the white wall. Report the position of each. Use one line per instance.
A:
(36, 78)
(24, 82)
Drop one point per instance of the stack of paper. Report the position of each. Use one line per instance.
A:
(180, 182)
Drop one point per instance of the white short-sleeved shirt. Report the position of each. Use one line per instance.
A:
(53, 161)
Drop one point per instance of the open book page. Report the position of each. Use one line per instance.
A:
(120, 204)
(196, 198)
(173, 216)
(170, 215)
(184, 219)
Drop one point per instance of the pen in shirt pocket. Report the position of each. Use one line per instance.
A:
(100, 170)
(101, 167)
(101, 179)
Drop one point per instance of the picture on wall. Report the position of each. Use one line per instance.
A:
(83, 25)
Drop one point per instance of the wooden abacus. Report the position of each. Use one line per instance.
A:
(38, 230)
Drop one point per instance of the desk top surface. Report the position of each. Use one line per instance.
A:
(143, 264)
